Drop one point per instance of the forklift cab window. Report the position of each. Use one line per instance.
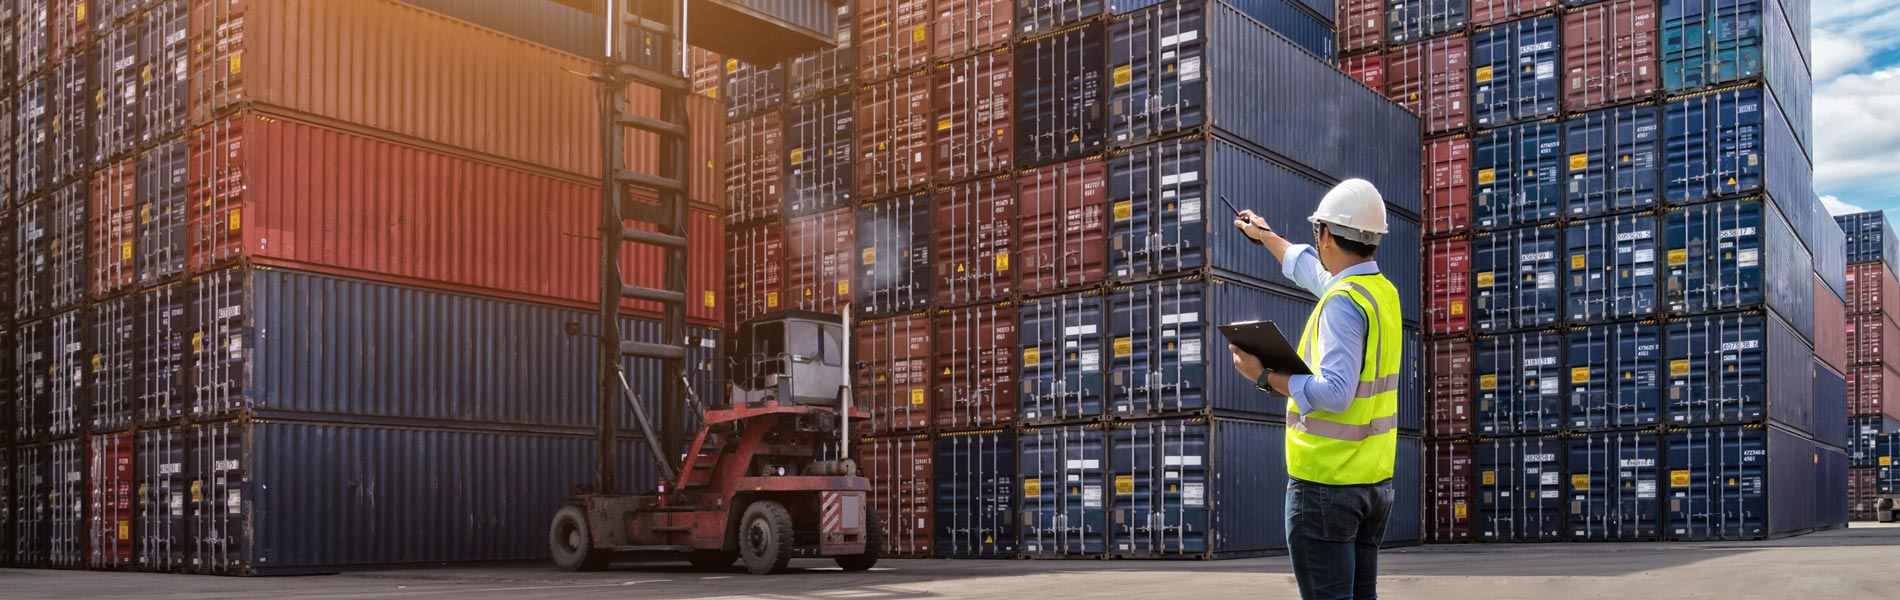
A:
(814, 342)
(765, 345)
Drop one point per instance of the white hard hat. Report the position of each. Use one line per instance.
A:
(1354, 210)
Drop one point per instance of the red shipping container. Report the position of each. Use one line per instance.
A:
(754, 269)
(705, 68)
(903, 492)
(1448, 483)
(1447, 185)
(1871, 287)
(975, 235)
(1369, 69)
(893, 379)
(973, 117)
(112, 501)
(270, 190)
(1448, 403)
(1063, 233)
(1610, 53)
(1432, 79)
(820, 257)
(893, 37)
(1869, 337)
(1448, 286)
(964, 26)
(893, 119)
(1492, 12)
(1873, 390)
(114, 227)
(1361, 25)
(754, 173)
(1830, 327)
(72, 26)
(1863, 491)
(706, 155)
(975, 370)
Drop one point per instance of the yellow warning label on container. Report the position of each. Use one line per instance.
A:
(1579, 161)
(1576, 261)
(1483, 74)
(844, 287)
(1124, 74)
(1124, 210)
(712, 93)
(237, 62)
(1679, 367)
(1486, 279)
(1457, 307)
(236, 220)
(919, 33)
(771, 299)
(711, 299)
(1124, 485)
(145, 213)
(1032, 357)
(1458, 510)
(1487, 382)
(1886, 461)
(1579, 374)
(1487, 176)
(198, 342)
(1002, 261)
(1124, 347)
(917, 397)
(1490, 478)
(798, 155)
(145, 75)
(98, 363)
(732, 64)
(125, 530)
(1679, 478)
(197, 488)
(1580, 481)
(943, 124)
(1678, 257)
(869, 256)
(1032, 487)
(79, 11)
(125, 251)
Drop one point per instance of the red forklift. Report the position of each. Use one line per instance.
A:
(761, 481)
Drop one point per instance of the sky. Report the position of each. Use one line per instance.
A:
(1856, 66)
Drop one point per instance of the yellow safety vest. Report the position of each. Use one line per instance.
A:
(1357, 446)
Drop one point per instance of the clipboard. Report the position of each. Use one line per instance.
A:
(1264, 340)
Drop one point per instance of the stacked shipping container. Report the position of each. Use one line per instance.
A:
(1873, 383)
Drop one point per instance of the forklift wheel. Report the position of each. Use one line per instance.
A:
(873, 545)
(765, 537)
(572, 544)
(711, 560)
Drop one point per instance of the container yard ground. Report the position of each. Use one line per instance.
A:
(1837, 565)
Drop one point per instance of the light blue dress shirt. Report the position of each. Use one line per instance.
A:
(1342, 334)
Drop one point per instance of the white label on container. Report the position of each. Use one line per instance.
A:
(1091, 496)
(1187, 317)
(1191, 350)
(1190, 177)
(170, 469)
(236, 345)
(1645, 489)
(1073, 479)
(72, 476)
(1645, 272)
(1167, 333)
(1191, 211)
(1546, 281)
(230, 311)
(224, 465)
(1646, 255)
(1091, 360)
(1084, 463)
(707, 342)
(1550, 494)
(1547, 386)
(1191, 69)
(1748, 258)
(920, 522)
(1194, 494)
(1549, 478)
(1075, 330)
(178, 504)
(234, 502)
(1546, 70)
(1171, 475)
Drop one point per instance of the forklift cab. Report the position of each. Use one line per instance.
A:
(795, 357)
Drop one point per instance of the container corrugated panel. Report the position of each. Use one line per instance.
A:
(1737, 254)
(1887, 477)
(821, 251)
(280, 342)
(1873, 339)
(903, 489)
(975, 238)
(33, 399)
(110, 496)
(1062, 232)
(1830, 328)
(1447, 185)
(1831, 489)
(32, 276)
(1517, 278)
(113, 226)
(159, 534)
(1034, 17)
(1863, 443)
(894, 256)
(72, 138)
(790, 26)
(34, 37)
(1408, 21)
(1369, 69)
(163, 243)
(32, 136)
(971, 113)
(1063, 345)
(821, 72)
(975, 367)
(976, 495)
(964, 26)
(113, 372)
(1871, 287)
(1830, 406)
(1520, 384)
(1862, 494)
(1405, 526)
(1871, 390)
(1413, 382)
(1061, 89)
(1739, 483)
(1065, 493)
(755, 281)
(1449, 411)
(1180, 490)
(1521, 490)
(8, 524)
(1450, 482)
(269, 505)
(1492, 12)
(1519, 175)
(69, 238)
(1360, 26)
(893, 37)
(1165, 352)
(1711, 43)
(749, 90)
(1828, 244)
(32, 475)
(1615, 377)
(1613, 268)
(1288, 18)
(1614, 160)
(1448, 286)
(1432, 78)
(167, 49)
(893, 129)
(1870, 238)
(70, 361)
(1609, 54)
(894, 379)
(1615, 487)
(1731, 142)
(754, 177)
(67, 500)
(1515, 71)
(553, 24)
(1738, 368)
(821, 151)
(117, 63)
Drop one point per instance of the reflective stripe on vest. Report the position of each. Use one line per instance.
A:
(1359, 445)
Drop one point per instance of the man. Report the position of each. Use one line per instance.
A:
(1341, 437)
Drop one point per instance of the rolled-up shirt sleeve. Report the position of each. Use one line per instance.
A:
(1342, 336)
(1303, 267)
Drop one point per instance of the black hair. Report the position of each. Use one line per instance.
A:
(1358, 249)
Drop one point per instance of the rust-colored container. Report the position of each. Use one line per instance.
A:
(1361, 25)
(902, 492)
(111, 502)
(1873, 338)
(965, 26)
(1830, 327)
(1871, 288)
(975, 370)
(272, 190)
(1863, 492)
(1448, 410)
(975, 227)
(893, 37)
(1610, 53)
(1492, 12)
(1432, 79)
(755, 259)
(71, 21)
(1062, 237)
(893, 379)
(1447, 185)
(1369, 69)
(1448, 483)
(114, 223)
(972, 116)
(706, 158)
(893, 119)
(754, 174)
(820, 252)
(1873, 390)
(706, 67)
(820, 151)
(1448, 286)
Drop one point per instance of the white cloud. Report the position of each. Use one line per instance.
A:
(1857, 128)
(1835, 55)
(1836, 207)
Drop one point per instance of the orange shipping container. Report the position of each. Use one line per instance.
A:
(114, 227)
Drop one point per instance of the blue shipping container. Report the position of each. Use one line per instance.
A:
(163, 231)
(1167, 357)
(894, 256)
(1514, 73)
(1739, 483)
(32, 489)
(1869, 238)
(1712, 43)
(1887, 454)
(1060, 93)
(1733, 142)
(33, 362)
(1517, 279)
(1209, 64)
(1828, 244)
(1406, 525)
(1830, 489)
(1863, 444)
(1042, 16)
(1063, 339)
(1614, 160)
(1612, 268)
(820, 143)
(1521, 489)
(1520, 384)
(1143, 29)
(1196, 487)
(1065, 501)
(552, 24)
(1829, 390)
(1408, 21)
(1616, 376)
(1412, 382)
(1519, 174)
(976, 495)
(1738, 368)
(1734, 255)
(1615, 487)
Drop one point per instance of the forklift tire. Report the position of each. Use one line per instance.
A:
(711, 560)
(572, 544)
(765, 537)
(873, 545)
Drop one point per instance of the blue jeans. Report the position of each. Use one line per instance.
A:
(1333, 534)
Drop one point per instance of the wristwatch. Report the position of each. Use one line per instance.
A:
(1261, 383)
